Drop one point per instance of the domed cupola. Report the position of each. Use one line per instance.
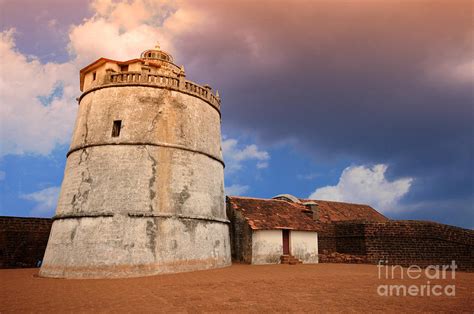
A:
(156, 54)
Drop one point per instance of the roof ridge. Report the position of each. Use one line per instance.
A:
(339, 202)
(253, 198)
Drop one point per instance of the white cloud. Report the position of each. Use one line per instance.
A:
(235, 155)
(27, 125)
(236, 189)
(360, 184)
(463, 71)
(117, 30)
(45, 200)
(121, 30)
(108, 41)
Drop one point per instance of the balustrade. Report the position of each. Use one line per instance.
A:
(163, 81)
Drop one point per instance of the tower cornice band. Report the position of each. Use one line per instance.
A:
(165, 145)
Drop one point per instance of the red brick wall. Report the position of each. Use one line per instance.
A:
(402, 243)
(23, 241)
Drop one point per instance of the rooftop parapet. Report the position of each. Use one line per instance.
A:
(155, 68)
(178, 83)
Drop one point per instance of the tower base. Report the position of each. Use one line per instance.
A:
(122, 246)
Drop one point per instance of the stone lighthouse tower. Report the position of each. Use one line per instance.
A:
(143, 189)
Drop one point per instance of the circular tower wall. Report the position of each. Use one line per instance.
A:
(143, 189)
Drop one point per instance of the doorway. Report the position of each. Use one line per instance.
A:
(286, 241)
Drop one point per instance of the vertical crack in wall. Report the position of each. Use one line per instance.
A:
(180, 105)
(151, 127)
(156, 104)
(151, 181)
(82, 194)
(73, 233)
(86, 128)
(84, 156)
(151, 236)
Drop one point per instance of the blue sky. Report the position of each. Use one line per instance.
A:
(366, 102)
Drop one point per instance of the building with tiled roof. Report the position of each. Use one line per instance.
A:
(265, 231)
(268, 214)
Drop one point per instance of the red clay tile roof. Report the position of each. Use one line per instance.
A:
(267, 214)
(338, 211)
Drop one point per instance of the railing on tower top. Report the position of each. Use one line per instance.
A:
(176, 83)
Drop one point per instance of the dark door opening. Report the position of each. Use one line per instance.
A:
(286, 241)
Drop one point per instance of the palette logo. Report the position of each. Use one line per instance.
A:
(414, 272)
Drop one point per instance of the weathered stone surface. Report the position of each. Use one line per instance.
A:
(124, 246)
(131, 179)
(150, 200)
(149, 115)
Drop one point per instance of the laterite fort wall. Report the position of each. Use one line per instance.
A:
(23, 241)
(400, 242)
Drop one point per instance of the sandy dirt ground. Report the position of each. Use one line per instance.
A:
(239, 288)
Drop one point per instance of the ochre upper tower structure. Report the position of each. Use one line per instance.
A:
(143, 188)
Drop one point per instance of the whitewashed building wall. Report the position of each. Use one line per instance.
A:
(304, 246)
(267, 246)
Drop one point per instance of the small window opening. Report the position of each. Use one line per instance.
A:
(116, 128)
(124, 68)
(94, 75)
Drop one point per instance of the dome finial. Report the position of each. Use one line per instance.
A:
(156, 54)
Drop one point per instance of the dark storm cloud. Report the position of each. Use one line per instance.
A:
(375, 81)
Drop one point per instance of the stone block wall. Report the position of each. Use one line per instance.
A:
(326, 237)
(351, 238)
(421, 243)
(399, 242)
(23, 241)
(240, 237)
